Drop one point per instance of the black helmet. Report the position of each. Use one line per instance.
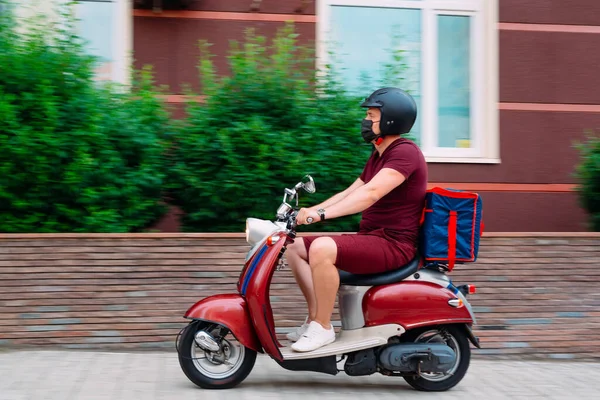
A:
(398, 110)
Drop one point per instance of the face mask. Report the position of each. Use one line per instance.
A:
(367, 131)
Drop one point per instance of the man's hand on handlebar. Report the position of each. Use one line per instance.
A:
(307, 216)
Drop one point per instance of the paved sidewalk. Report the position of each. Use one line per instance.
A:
(66, 375)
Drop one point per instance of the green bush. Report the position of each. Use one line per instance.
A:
(75, 155)
(260, 129)
(588, 171)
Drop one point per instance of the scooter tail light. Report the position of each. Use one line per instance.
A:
(472, 289)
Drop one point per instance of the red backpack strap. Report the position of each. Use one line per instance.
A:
(423, 213)
(452, 223)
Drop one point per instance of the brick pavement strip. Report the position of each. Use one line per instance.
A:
(71, 375)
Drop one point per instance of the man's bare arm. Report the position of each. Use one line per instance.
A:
(359, 200)
(340, 196)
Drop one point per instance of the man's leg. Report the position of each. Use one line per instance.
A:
(326, 281)
(326, 278)
(297, 255)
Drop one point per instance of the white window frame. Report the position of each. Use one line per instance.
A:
(122, 46)
(485, 137)
(122, 43)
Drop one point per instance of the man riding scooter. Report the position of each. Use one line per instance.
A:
(380, 278)
(389, 193)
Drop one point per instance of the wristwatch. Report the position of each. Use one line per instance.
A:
(321, 213)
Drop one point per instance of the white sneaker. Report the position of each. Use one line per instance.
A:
(315, 337)
(298, 332)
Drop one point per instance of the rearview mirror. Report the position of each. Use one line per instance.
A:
(308, 184)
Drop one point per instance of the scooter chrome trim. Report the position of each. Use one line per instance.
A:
(206, 342)
(349, 341)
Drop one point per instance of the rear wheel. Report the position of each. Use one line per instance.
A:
(222, 369)
(456, 339)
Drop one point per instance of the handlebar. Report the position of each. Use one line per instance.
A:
(291, 224)
(287, 213)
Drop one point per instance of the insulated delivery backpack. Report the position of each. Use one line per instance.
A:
(451, 227)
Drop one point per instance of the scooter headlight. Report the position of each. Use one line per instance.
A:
(258, 229)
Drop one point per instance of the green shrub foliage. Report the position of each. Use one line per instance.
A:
(259, 130)
(588, 171)
(75, 155)
(80, 156)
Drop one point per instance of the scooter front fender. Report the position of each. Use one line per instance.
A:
(231, 311)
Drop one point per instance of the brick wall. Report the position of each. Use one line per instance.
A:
(537, 293)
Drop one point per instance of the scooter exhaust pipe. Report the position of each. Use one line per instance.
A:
(206, 342)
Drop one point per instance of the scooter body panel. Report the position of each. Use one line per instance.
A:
(231, 311)
(413, 305)
(255, 289)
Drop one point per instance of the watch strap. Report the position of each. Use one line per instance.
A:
(321, 213)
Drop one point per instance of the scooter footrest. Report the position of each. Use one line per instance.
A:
(349, 341)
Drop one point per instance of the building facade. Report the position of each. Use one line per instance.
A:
(504, 87)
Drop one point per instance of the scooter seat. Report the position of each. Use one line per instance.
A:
(383, 278)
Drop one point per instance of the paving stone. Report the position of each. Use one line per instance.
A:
(89, 375)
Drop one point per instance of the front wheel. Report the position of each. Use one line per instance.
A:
(455, 338)
(222, 369)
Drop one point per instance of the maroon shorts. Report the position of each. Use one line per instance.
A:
(367, 254)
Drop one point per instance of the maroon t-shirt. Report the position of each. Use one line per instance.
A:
(396, 216)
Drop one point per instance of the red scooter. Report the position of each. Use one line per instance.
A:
(412, 322)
